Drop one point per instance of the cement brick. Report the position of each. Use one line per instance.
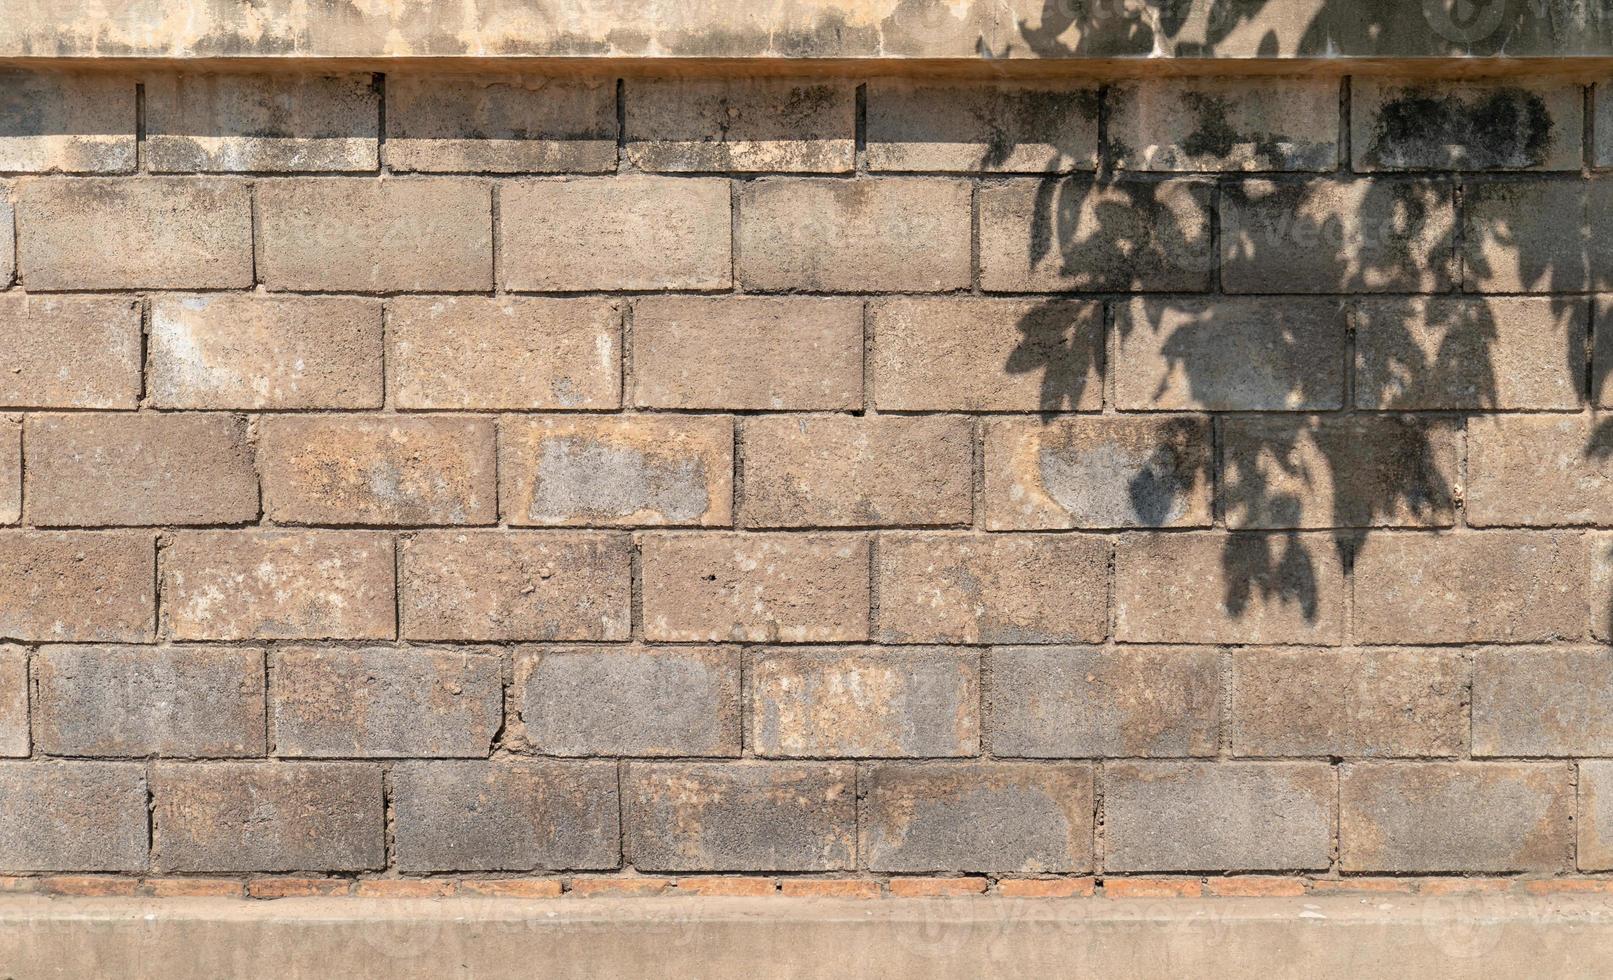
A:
(987, 355)
(69, 351)
(472, 352)
(889, 234)
(993, 127)
(8, 238)
(693, 816)
(77, 586)
(355, 469)
(1079, 234)
(1097, 473)
(138, 701)
(243, 816)
(1531, 701)
(755, 353)
(506, 815)
(1536, 236)
(846, 471)
(1602, 125)
(261, 122)
(272, 585)
(1356, 703)
(1509, 124)
(983, 816)
(73, 816)
(741, 124)
(755, 588)
(14, 740)
(1224, 124)
(1088, 702)
(1456, 816)
(862, 703)
(384, 703)
(93, 470)
(1496, 586)
(500, 586)
(264, 352)
(1595, 816)
(10, 470)
(982, 588)
(1538, 470)
(503, 124)
(1337, 236)
(66, 122)
(134, 233)
(1220, 816)
(639, 701)
(1207, 587)
(428, 234)
(630, 232)
(604, 470)
(1600, 546)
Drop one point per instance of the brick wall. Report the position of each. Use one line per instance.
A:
(475, 475)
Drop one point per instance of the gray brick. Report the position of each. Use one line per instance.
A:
(1595, 816)
(505, 124)
(10, 470)
(1537, 236)
(741, 124)
(1510, 124)
(1539, 701)
(1000, 127)
(73, 816)
(61, 122)
(274, 121)
(1224, 124)
(14, 740)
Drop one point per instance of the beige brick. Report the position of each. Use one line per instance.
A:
(147, 469)
(1207, 587)
(354, 469)
(1333, 236)
(741, 124)
(512, 585)
(77, 586)
(264, 352)
(1348, 702)
(631, 232)
(499, 123)
(69, 816)
(10, 470)
(1225, 124)
(252, 122)
(272, 585)
(1508, 124)
(428, 234)
(1542, 701)
(987, 355)
(69, 351)
(134, 233)
(1000, 127)
(748, 353)
(8, 237)
(891, 234)
(755, 588)
(1456, 816)
(978, 588)
(841, 470)
(1097, 473)
(1595, 816)
(1536, 236)
(1450, 353)
(617, 470)
(1370, 471)
(1495, 586)
(1079, 234)
(1538, 470)
(1600, 545)
(61, 122)
(14, 741)
(861, 703)
(473, 352)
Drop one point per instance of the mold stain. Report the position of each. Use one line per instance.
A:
(1508, 128)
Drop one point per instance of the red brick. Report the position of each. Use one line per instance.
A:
(936, 887)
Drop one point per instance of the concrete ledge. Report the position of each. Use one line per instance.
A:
(1474, 935)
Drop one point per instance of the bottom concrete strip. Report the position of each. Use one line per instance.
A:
(714, 939)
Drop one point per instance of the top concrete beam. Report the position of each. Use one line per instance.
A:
(944, 30)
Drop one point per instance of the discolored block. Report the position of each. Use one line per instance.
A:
(848, 471)
(393, 470)
(985, 588)
(981, 126)
(502, 585)
(755, 588)
(741, 124)
(69, 351)
(639, 701)
(384, 703)
(1088, 702)
(261, 122)
(1595, 851)
(473, 352)
(1224, 124)
(1215, 816)
(983, 816)
(1547, 470)
(599, 470)
(96, 816)
(987, 355)
(77, 586)
(14, 740)
(1508, 124)
(698, 816)
(1097, 473)
(138, 701)
(10, 470)
(8, 238)
(1354, 703)
(67, 122)
(1600, 546)
(863, 703)
(502, 124)
(506, 815)
(1456, 816)
(1536, 236)
(1542, 701)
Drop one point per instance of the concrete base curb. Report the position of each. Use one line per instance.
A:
(715, 939)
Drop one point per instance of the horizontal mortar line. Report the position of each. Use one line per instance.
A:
(772, 649)
(891, 761)
(1586, 410)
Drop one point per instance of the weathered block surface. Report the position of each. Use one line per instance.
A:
(981, 127)
(261, 122)
(503, 124)
(1538, 470)
(59, 122)
(77, 586)
(10, 470)
(14, 740)
(1533, 701)
(1224, 124)
(1536, 236)
(742, 124)
(97, 816)
(69, 351)
(1595, 816)
(1483, 125)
